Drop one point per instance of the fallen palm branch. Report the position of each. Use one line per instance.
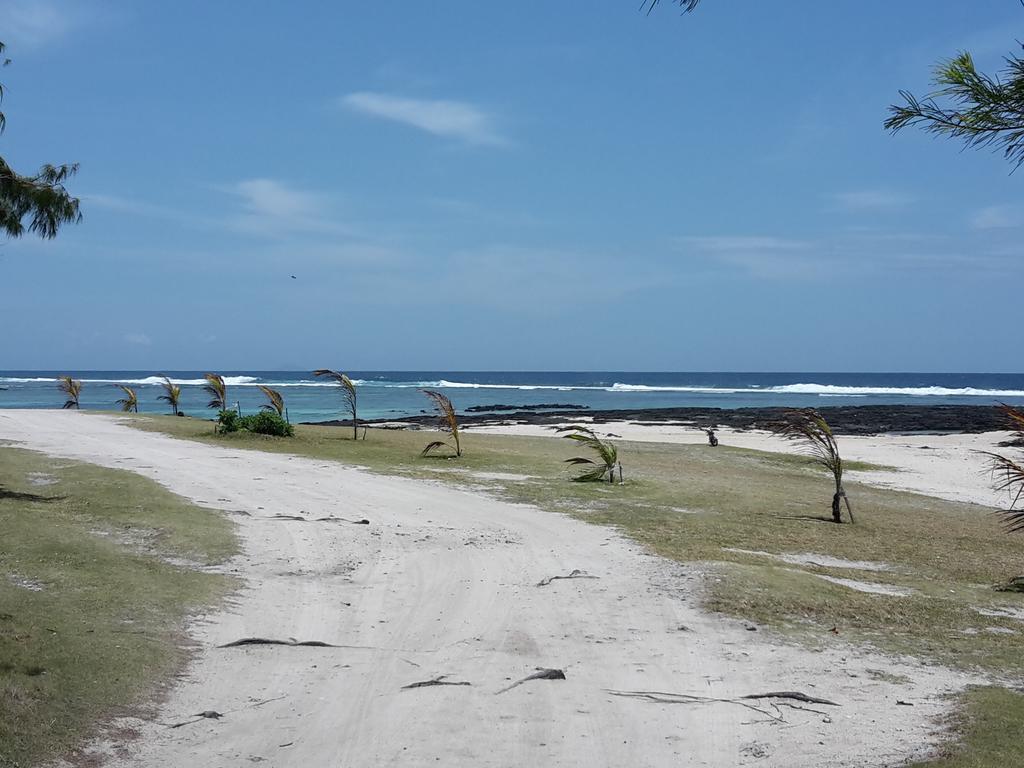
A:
(794, 695)
(542, 673)
(268, 641)
(661, 697)
(439, 680)
(575, 574)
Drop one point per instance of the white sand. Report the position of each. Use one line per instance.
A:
(947, 466)
(443, 582)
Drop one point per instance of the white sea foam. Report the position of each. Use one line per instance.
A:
(820, 390)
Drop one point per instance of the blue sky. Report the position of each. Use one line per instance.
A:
(526, 185)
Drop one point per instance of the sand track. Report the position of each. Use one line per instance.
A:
(444, 581)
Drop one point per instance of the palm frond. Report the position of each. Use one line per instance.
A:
(592, 476)
(276, 400)
(1008, 476)
(72, 388)
(809, 428)
(449, 419)
(1014, 418)
(130, 402)
(217, 390)
(173, 396)
(348, 392)
(433, 446)
(606, 452)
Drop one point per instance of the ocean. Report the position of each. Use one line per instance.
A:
(392, 394)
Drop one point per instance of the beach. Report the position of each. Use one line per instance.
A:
(454, 585)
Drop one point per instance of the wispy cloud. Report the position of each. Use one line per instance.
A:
(840, 254)
(761, 256)
(871, 200)
(131, 206)
(140, 339)
(32, 23)
(998, 217)
(441, 117)
(271, 207)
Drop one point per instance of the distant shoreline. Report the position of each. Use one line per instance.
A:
(849, 420)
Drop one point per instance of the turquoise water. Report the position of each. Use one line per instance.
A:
(387, 394)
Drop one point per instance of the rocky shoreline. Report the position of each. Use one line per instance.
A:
(848, 420)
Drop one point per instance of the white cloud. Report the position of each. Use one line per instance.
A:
(452, 119)
(872, 200)
(272, 207)
(138, 338)
(998, 217)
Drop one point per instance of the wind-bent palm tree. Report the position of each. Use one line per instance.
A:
(276, 400)
(217, 390)
(606, 452)
(809, 427)
(173, 396)
(449, 423)
(1009, 474)
(348, 391)
(130, 402)
(72, 389)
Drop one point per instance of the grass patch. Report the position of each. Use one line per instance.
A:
(987, 730)
(90, 608)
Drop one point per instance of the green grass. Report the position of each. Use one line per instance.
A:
(987, 728)
(91, 610)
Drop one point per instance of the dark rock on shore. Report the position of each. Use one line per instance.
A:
(539, 407)
(845, 420)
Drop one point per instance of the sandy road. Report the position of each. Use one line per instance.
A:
(443, 582)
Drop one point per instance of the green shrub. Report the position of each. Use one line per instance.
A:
(228, 421)
(259, 423)
(266, 423)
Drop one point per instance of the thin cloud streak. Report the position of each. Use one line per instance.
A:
(440, 117)
(998, 217)
(872, 200)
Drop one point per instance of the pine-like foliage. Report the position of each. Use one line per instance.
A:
(37, 203)
(981, 110)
